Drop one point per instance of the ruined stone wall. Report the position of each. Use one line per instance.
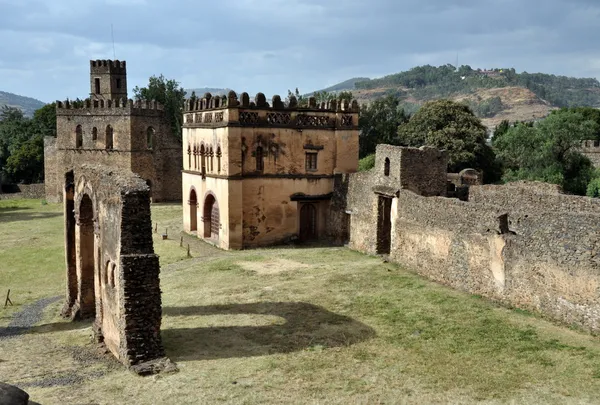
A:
(528, 247)
(53, 181)
(541, 196)
(591, 149)
(37, 190)
(547, 262)
(114, 274)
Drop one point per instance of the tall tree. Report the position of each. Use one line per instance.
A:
(452, 126)
(548, 151)
(378, 123)
(170, 94)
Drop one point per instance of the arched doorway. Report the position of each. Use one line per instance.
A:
(211, 217)
(308, 222)
(87, 296)
(193, 201)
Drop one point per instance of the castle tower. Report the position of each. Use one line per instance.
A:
(108, 80)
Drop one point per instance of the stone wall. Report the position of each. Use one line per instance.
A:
(112, 271)
(522, 244)
(36, 191)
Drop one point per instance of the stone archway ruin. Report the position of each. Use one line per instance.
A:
(112, 271)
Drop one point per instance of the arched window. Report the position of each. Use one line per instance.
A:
(386, 168)
(260, 165)
(202, 159)
(94, 134)
(189, 156)
(78, 137)
(195, 157)
(218, 158)
(150, 137)
(109, 138)
(211, 154)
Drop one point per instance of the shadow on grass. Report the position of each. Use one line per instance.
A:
(307, 326)
(16, 213)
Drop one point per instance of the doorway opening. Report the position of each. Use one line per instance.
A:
(384, 225)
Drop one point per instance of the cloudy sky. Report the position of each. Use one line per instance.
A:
(273, 45)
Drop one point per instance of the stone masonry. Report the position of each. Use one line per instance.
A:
(112, 271)
(113, 131)
(523, 244)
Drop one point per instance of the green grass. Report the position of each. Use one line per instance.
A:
(290, 325)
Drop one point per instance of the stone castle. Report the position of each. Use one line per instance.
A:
(111, 130)
(256, 174)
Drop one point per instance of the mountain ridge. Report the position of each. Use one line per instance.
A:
(26, 104)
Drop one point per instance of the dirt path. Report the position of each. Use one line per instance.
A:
(26, 318)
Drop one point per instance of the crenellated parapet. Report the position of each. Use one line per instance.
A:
(229, 110)
(108, 66)
(110, 107)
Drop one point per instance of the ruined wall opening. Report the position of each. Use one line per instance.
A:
(308, 222)
(70, 250)
(386, 167)
(94, 134)
(87, 299)
(78, 137)
(109, 137)
(211, 217)
(384, 225)
(97, 85)
(193, 202)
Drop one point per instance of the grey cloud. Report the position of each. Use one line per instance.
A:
(273, 45)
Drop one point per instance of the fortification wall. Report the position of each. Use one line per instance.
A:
(35, 191)
(533, 249)
(532, 195)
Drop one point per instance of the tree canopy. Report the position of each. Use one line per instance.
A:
(170, 94)
(452, 126)
(22, 143)
(378, 123)
(548, 151)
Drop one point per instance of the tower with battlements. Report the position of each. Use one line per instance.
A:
(109, 129)
(108, 80)
(258, 173)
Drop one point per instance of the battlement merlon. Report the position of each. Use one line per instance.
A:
(110, 107)
(107, 66)
(208, 102)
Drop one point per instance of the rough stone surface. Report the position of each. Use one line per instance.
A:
(26, 191)
(112, 271)
(524, 244)
(141, 139)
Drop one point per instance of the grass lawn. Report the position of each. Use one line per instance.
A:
(286, 325)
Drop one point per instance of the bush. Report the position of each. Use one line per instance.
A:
(366, 163)
(593, 188)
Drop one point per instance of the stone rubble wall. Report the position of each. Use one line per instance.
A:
(525, 245)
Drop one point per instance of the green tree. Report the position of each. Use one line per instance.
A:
(453, 127)
(170, 94)
(548, 151)
(22, 143)
(378, 123)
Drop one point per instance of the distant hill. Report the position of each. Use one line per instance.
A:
(27, 104)
(494, 95)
